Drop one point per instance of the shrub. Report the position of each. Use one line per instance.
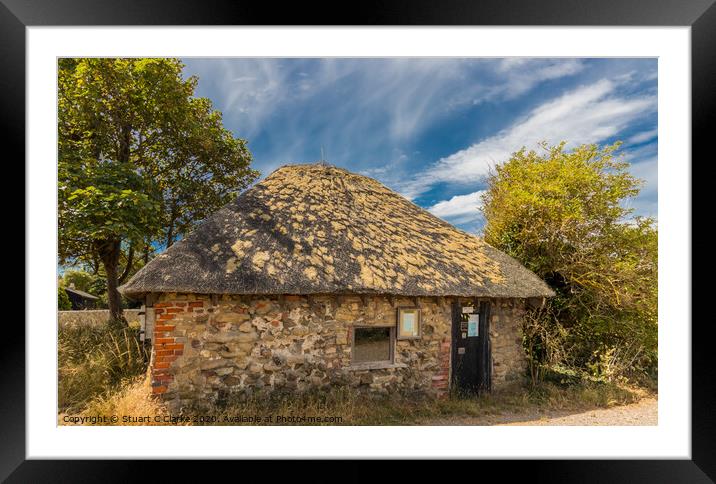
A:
(563, 215)
(63, 300)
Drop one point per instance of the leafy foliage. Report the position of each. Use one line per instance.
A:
(141, 160)
(95, 282)
(63, 300)
(84, 281)
(563, 214)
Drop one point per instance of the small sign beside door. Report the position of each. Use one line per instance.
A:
(468, 309)
(472, 325)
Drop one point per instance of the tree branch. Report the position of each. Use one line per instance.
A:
(172, 220)
(128, 267)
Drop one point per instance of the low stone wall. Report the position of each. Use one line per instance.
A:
(248, 345)
(92, 317)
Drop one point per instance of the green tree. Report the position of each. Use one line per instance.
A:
(63, 300)
(89, 276)
(563, 214)
(141, 160)
(84, 281)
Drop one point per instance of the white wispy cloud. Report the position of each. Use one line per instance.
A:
(589, 114)
(460, 208)
(389, 99)
(522, 74)
(643, 136)
(373, 115)
(646, 204)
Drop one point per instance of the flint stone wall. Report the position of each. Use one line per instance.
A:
(509, 361)
(206, 349)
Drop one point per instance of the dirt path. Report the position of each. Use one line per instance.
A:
(643, 412)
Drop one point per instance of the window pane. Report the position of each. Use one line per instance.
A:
(371, 344)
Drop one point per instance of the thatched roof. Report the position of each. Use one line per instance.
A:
(315, 228)
(82, 294)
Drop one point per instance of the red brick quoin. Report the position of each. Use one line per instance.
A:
(441, 379)
(166, 347)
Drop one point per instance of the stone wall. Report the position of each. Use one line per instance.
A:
(205, 348)
(509, 362)
(92, 317)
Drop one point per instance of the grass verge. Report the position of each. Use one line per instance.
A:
(133, 405)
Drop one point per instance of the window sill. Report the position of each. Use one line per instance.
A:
(378, 365)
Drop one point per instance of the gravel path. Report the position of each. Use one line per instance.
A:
(644, 412)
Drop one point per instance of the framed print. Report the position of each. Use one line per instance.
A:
(408, 323)
(241, 218)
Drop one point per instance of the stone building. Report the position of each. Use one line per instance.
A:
(317, 277)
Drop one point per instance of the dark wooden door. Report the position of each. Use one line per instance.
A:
(471, 351)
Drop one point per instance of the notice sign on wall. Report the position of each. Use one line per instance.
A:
(408, 323)
(472, 325)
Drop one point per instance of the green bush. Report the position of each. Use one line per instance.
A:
(563, 214)
(63, 300)
(94, 360)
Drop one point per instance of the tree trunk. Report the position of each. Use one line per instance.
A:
(109, 252)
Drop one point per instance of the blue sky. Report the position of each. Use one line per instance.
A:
(432, 128)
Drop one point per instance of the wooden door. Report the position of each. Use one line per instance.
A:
(471, 351)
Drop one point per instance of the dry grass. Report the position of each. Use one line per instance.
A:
(396, 410)
(94, 360)
(344, 407)
(584, 395)
(132, 404)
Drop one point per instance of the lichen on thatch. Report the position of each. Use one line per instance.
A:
(316, 228)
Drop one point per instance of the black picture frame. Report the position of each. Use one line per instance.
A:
(700, 15)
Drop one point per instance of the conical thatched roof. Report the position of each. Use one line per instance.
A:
(315, 228)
